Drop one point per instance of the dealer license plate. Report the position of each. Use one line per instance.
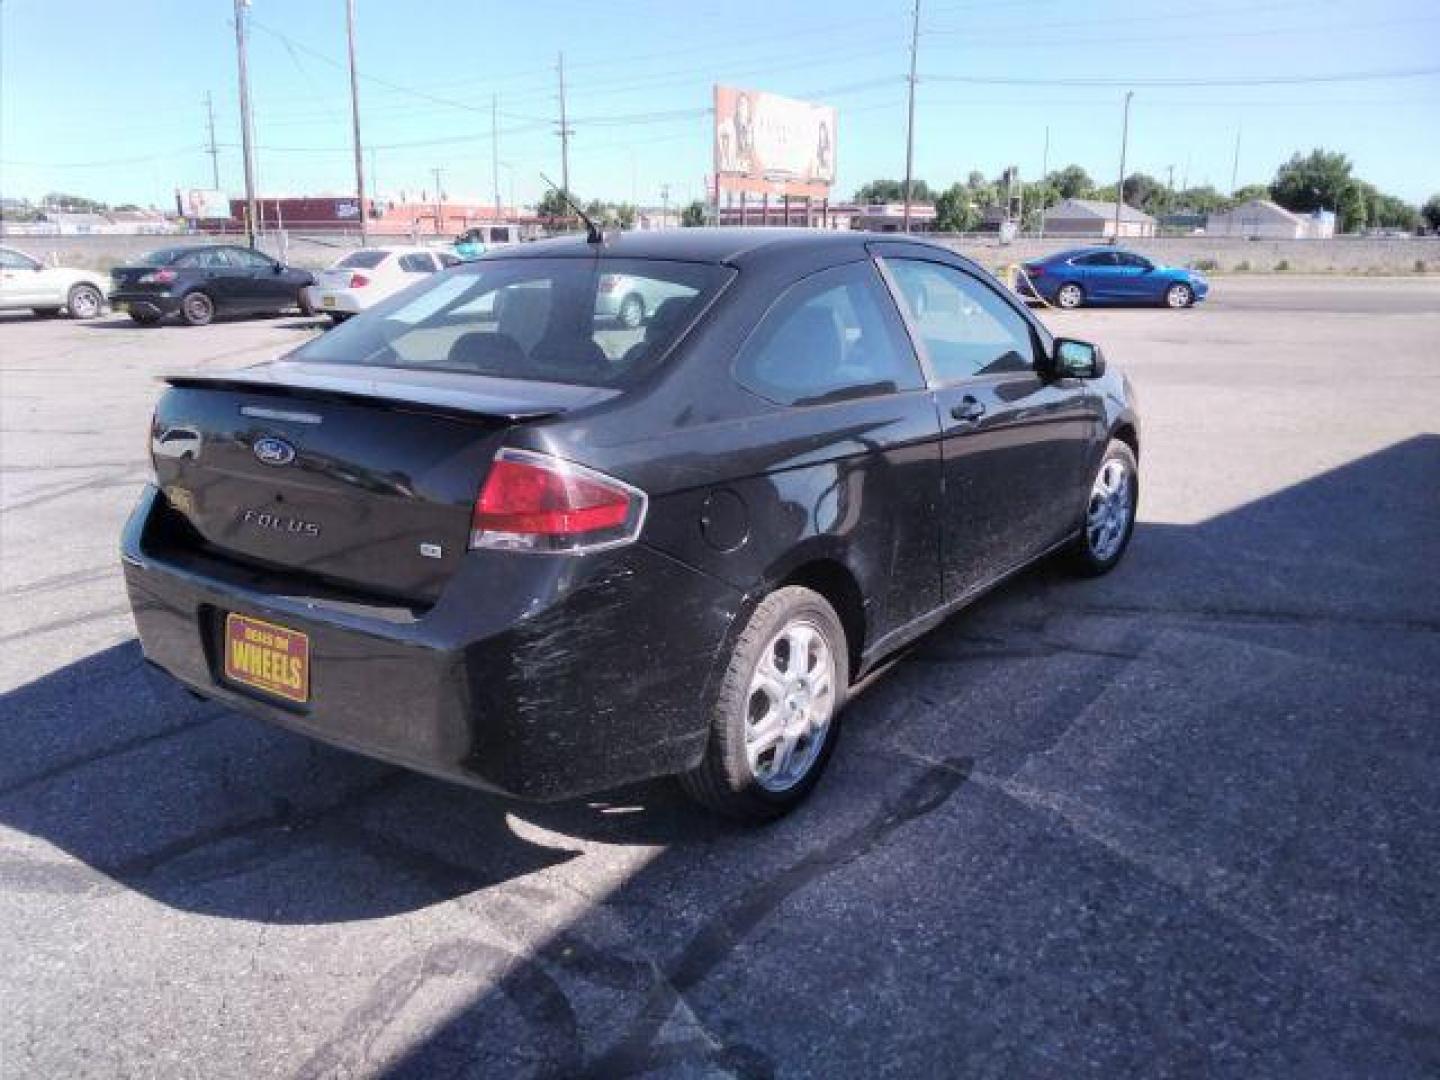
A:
(267, 657)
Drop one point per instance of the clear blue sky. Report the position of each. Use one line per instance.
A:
(107, 100)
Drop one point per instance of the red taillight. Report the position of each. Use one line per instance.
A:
(158, 277)
(609, 283)
(358, 281)
(535, 502)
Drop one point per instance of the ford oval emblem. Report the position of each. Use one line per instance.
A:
(273, 451)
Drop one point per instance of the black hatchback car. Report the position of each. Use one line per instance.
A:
(484, 533)
(201, 281)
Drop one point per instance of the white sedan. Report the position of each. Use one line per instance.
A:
(362, 278)
(29, 283)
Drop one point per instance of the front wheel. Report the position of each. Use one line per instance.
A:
(1069, 296)
(197, 309)
(775, 718)
(1179, 295)
(1109, 513)
(84, 301)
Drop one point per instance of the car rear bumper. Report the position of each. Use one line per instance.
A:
(150, 303)
(538, 676)
(341, 300)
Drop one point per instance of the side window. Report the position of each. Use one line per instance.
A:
(499, 236)
(247, 259)
(1124, 258)
(416, 262)
(833, 335)
(967, 328)
(1100, 258)
(205, 259)
(447, 260)
(13, 260)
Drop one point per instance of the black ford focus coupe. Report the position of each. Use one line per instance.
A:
(484, 533)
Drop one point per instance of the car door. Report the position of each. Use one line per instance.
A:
(1134, 279)
(1098, 275)
(260, 281)
(1014, 444)
(21, 280)
(210, 269)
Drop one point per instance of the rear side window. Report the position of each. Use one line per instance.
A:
(832, 336)
(1099, 258)
(417, 263)
(361, 260)
(499, 236)
(208, 259)
(529, 318)
(965, 325)
(13, 260)
(251, 260)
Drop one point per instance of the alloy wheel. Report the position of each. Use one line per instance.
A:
(1107, 520)
(84, 302)
(1070, 296)
(790, 706)
(1178, 296)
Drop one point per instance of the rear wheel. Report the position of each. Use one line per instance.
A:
(1179, 295)
(632, 311)
(1069, 296)
(1109, 513)
(775, 718)
(84, 301)
(197, 309)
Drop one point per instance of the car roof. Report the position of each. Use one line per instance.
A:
(731, 246)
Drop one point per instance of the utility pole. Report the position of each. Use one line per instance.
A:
(495, 151)
(1044, 182)
(439, 200)
(1124, 144)
(1171, 170)
(355, 123)
(246, 149)
(213, 151)
(1235, 168)
(564, 131)
(910, 116)
(664, 206)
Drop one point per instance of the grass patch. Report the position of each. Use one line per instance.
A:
(1205, 266)
(1243, 266)
(1282, 266)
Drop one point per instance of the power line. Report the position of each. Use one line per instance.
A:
(1251, 80)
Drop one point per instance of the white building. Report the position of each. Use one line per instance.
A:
(1262, 219)
(1090, 217)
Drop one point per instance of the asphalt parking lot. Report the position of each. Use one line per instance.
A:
(1180, 821)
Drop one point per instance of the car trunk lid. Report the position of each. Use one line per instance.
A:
(362, 477)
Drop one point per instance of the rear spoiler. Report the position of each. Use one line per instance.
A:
(447, 393)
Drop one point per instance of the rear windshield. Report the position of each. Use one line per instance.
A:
(361, 260)
(163, 257)
(590, 322)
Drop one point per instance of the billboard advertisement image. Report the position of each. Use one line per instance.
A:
(766, 144)
(203, 204)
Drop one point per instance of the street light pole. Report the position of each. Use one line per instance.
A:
(910, 117)
(246, 149)
(1124, 144)
(355, 124)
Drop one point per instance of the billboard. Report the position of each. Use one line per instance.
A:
(203, 204)
(766, 144)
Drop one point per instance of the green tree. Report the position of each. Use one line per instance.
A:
(1146, 193)
(625, 215)
(1203, 199)
(553, 209)
(890, 191)
(1072, 182)
(955, 211)
(58, 200)
(1431, 212)
(1389, 211)
(693, 216)
(1352, 212)
(1317, 181)
(1247, 193)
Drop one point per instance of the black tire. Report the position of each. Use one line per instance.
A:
(46, 312)
(1069, 296)
(302, 301)
(1083, 556)
(724, 781)
(84, 301)
(632, 311)
(144, 318)
(197, 309)
(1179, 296)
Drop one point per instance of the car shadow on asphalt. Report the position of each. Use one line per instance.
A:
(142, 787)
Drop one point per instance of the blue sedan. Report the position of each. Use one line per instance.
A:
(1107, 275)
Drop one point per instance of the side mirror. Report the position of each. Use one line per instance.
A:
(1077, 360)
(279, 268)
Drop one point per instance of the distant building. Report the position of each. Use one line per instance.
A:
(871, 217)
(1262, 219)
(387, 217)
(1089, 217)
